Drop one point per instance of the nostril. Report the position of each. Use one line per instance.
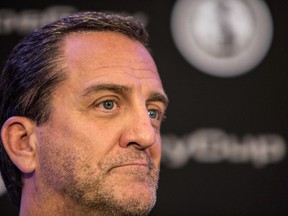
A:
(136, 146)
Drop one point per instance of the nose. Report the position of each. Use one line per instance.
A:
(138, 131)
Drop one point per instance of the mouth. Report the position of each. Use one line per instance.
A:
(130, 163)
(137, 170)
(133, 164)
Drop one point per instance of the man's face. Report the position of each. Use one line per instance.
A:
(101, 147)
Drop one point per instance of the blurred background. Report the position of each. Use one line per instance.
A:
(224, 66)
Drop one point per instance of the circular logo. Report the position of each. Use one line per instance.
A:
(223, 38)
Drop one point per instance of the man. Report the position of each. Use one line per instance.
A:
(81, 110)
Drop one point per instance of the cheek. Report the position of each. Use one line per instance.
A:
(63, 160)
(61, 146)
(98, 140)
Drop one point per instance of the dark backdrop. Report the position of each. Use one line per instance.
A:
(224, 139)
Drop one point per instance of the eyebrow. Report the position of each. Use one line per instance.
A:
(156, 96)
(120, 89)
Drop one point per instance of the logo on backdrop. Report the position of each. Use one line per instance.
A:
(223, 38)
(27, 20)
(214, 146)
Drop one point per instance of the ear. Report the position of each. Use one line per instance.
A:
(17, 136)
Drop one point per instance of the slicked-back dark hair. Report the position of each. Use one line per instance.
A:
(33, 70)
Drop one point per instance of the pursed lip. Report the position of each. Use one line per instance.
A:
(132, 164)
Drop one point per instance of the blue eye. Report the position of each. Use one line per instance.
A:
(109, 104)
(153, 114)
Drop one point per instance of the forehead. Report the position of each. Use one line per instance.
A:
(104, 56)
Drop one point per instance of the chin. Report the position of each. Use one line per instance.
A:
(133, 199)
(139, 201)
